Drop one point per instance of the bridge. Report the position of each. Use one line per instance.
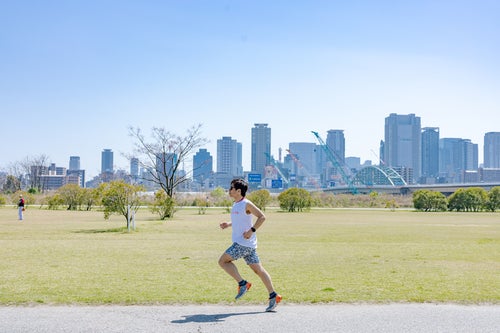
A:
(446, 189)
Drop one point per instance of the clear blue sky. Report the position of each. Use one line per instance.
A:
(74, 75)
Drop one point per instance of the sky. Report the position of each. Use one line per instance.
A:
(75, 75)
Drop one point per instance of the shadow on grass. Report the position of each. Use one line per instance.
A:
(103, 231)
(211, 318)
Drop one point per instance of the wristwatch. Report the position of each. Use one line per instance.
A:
(253, 229)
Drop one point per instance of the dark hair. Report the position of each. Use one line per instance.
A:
(240, 184)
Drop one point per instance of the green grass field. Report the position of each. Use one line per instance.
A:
(327, 255)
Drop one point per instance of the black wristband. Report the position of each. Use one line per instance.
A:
(253, 229)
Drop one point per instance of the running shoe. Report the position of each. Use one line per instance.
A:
(273, 303)
(243, 289)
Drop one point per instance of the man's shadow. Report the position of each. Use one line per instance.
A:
(212, 318)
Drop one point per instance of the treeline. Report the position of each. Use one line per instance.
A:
(118, 197)
(474, 199)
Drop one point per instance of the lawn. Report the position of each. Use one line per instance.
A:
(326, 255)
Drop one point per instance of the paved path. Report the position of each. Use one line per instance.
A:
(241, 318)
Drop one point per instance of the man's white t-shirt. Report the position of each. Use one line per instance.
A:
(241, 222)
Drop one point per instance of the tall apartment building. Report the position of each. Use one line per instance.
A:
(203, 166)
(402, 146)
(134, 167)
(261, 148)
(335, 140)
(456, 156)
(107, 161)
(430, 153)
(75, 171)
(492, 150)
(74, 163)
(306, 155)
(229, 157)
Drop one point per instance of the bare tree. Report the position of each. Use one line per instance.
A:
(30, 170)
(163, 156)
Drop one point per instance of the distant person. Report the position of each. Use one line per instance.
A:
(20, 207)
(245, 242)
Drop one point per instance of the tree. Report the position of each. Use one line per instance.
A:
(473, 199)
(260, 198)
(35, 167)
(295, 199)
(163, 156)
(493, 202)
(71, 195)
(12, 185)
(118, 196)
(163, 205)
(426, 201)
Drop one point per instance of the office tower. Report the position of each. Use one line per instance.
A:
(336, 143)
(74, 172)
(492, 150)
(229, 157)
(402, 146)
(455, 157)
(305, 153)
(261, 148)
(430, 152)
(202, 165)
(74, 163)
(134, 167)
(107, 161)
(471, 161)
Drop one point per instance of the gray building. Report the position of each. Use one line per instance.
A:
(261, 148)
(402, 144)
(134, 167)
(430, 154)
(492, 150)
(456, 156)
(229, 157)
(203, 166)
(107, 161)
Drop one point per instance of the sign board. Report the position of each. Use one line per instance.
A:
(277, 183)
(254, 177)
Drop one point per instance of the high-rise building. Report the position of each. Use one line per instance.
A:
(229, 157)
(456, 156)
(75, 171)
(202, 166)
(402, 146)
(335, 141)
(261, 148)
(107, 161)
(430, 152)
(492, 150)
(305, 153)
(134, 167)
(74, 163)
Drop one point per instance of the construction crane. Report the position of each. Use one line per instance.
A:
(331, 156)
(276, 166)
(301, 166)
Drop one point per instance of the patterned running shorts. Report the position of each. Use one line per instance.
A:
(237, 251)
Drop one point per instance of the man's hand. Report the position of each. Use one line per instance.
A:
(224, 225)
(247, 234)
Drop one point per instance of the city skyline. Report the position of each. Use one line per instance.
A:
(108, 154)
(75, 78)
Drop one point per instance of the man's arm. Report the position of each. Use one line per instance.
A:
(254, 210)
